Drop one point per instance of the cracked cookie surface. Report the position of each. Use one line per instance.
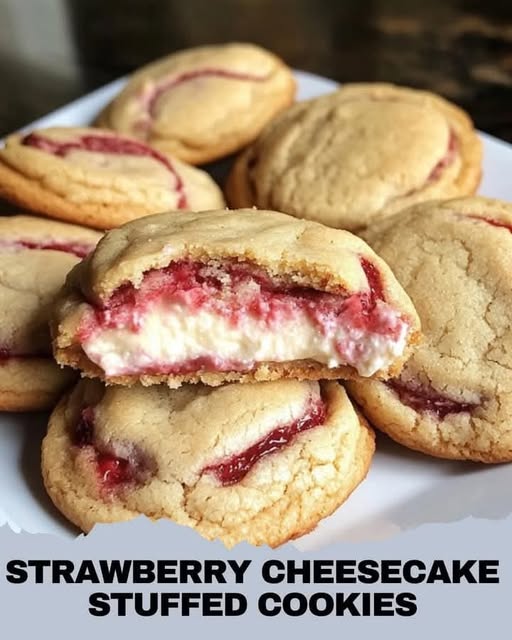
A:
(113, 453)
(204, 103)
(98, 178)
(35, 257)
(221, 296)
(453, 398)
(366, 151)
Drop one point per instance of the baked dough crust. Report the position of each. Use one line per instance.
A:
(32, 384)
(456, 267)
(202, 123)
(359, 154)
(83, 192)
(29, 282)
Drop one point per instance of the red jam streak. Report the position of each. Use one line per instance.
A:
(110, 145)
(426, 399)
(235, 291)
(75, 248)
(436, 173)
(150, 98)
(374, 282)
(492, 222)
(7, 354)
(201, 364)
(83, 435)
(234, 469)
(447, 160)
(112, 471)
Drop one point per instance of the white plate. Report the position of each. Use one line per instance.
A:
(403, 489)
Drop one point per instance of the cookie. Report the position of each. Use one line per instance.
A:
(204, 103)
(98, 178)
(453, 398)
(362, 153)
(261, 463)
(221, 296)
(35, 257)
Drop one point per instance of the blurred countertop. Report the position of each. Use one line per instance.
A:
(53, 51)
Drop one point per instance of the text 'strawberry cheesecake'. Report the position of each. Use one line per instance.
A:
(352, 157)
(261, 463)
(220, 296)
(204, 103)
(35, 257)
(98, 178)
(453, 398)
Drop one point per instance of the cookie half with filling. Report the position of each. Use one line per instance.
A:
(357, 155)
(221, 296)
(35, 257)
(453, 398)
(261, 463)
(203, 103)
(98, 178)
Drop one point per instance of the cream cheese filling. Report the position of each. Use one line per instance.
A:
(170, 334)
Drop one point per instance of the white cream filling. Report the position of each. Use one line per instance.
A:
(171, 334)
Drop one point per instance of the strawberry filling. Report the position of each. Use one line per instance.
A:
(192, 365)
(84, 429)
(96, 143)
(447, 160)
(112, 471)
(7, 354)
(231, 315)
(235, 290)
(492, 222)
(78, 249)
(426, 399)
(234, 469)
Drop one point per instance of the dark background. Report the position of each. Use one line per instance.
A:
(52, 51)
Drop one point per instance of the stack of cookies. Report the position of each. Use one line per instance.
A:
(220, 349)
(220, 330)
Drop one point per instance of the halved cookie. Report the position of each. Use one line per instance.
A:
(98, 178)
(261, 463)
(352, 157)
(229, 295)
(203, 103)
(35, 257)
(453, 398)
